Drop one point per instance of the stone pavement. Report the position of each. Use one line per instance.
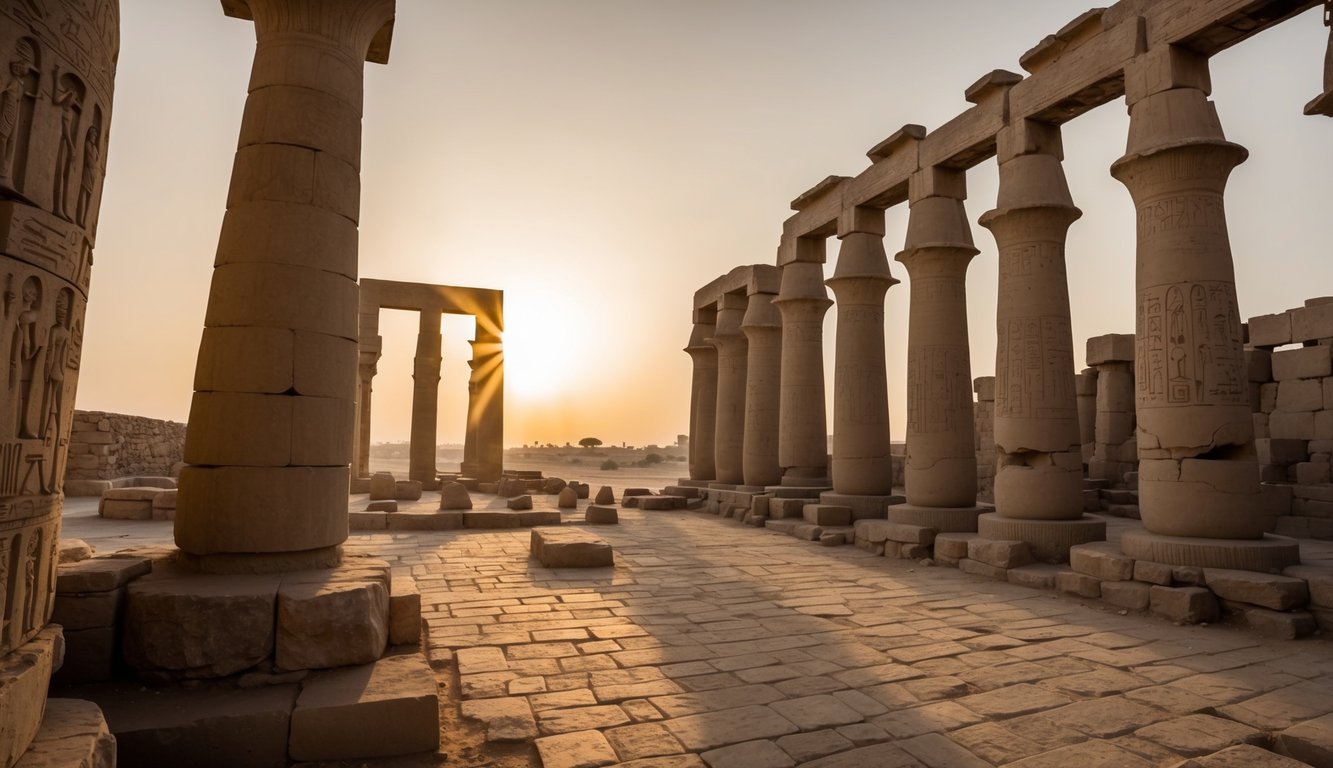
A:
(711, 644)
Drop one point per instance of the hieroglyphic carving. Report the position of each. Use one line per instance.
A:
(939, 388)
(1032, 364)
(17, 97)
(68, 97)
(1189, 345)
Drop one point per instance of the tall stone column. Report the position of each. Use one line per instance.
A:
(703, 397)
(862, 461)
(57, 69)
(1039, 475)
(941, 471)
(762, 327)
(732, 358)
(425, 401)
(1198, 475)
(1114, 451)
(271, 422)
(803, 424)
(369, 351)
(486, 405)
(1085, 388)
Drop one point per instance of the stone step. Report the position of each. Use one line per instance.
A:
(827, 514)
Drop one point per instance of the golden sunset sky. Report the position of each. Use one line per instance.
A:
(599, 160)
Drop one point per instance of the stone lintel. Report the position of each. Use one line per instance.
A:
(486, 304)
(704, 316)
(742, 281)
(377, 53)
(825, 187)
(991, 85)
(1077, 79)
(903, 139)
(967, 139)
(732, 301)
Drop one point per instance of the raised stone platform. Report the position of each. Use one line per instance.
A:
(130, 503)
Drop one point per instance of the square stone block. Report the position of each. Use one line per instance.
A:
(555, 548)
(1101, 560)
(407, 490)
(1291, 426)
(389, 707)
(1312, 323)
(1304, 363)
(1300, 395)
(404, 613)
(1268, 331)
(1191, 605)
(1110, 348)
(117, 509)
(87, 611)
(1280, 593)
(1258, 366)
(999, 553)
(953, 544)
(73, 733)
(332, 623)
(1079, 584)
(827, 514)
(382, 486)
(1133, 595)
(100, 574)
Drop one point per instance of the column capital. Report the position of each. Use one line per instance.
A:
(370, 33)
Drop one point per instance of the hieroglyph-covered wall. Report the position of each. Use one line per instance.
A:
(57, 62)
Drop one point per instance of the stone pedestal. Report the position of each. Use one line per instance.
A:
(803, 426)
(425, 402)
(1197, 470)
(57, 74)
(862, 464)
(732, 359)
(762, 327)
(271, 423)
(703, 397)
(941, 466)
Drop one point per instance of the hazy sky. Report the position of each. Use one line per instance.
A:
(599, 160)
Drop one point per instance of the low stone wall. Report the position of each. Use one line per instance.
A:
(108, 446)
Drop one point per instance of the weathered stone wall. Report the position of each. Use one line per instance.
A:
(106, 446)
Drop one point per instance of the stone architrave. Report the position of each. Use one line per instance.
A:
(1198, 476)
(271, 424)
(941, 468)
(803, 424)
(425, 401)
(762, 327)
(703, 396)
(732, 359)
(1039, 476)
(862, 459)
(55, 113)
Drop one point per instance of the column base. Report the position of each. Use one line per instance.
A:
(1269, 554)
(797, 491)
(716, 486)
(1048, 540)
(751, 488)
(942, 519)
(261, 562)
(863, 507)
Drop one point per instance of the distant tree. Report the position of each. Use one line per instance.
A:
(590, 442)
(610, 464)
(653, 458)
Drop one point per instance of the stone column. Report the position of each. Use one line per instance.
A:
(732, 357)
(1198, 476)
(803, 424)
(58, 65)
(862, 460)
(486, 404)
(369, 349)
(1085, 389)
(762, 327)
(703, 397)
(983, 417)
(1039, 475)
(271, 422)
(425, 401)
(1114, 451)
(941, 470)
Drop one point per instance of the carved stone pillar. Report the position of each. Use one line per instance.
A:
(271, 422)
(55, 112)
(732, 357)
(425, 401)
(941, 468)
(486, 405)
(862, 460)
(703, 397)
(803, 424)
(762, 327)
(1198, 477)
(369, 350)
(1039, 475)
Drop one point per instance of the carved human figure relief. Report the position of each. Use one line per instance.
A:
(17, 85)
(28, 617)
(23, 357)
(68, 97)
(88, 177)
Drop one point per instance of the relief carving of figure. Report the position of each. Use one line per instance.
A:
(28, 619)
(14, 90)
(23, 357)
(88, 178)
(68, 99)
(57, 359)
(6, 599)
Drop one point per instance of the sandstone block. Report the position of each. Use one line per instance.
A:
(488, 519)
(1310, 742)
(999, 553)
(953, 544)
(1298, 425)
(382, 486)
(827, 514)
(520, 502)
(1110, 348)
(553, 485)
(605, 496)
(507, 718)
(1282, 625)
(1300, 395)
(568, 498)
(389, 707)
(978, 568)
(1036, 576)
(1279, 593)
(404, 612)
(1079, 584)
(600, 515)
(1152, 573)
(199, 625)
(1312, 473)
(1311, 323)
(656, 502)
(407, 490)
(359, 485)
(88, 610)
(1304, 363)
(100, 574)
(1282, 452)
(1133, 595)
(1319, 580)
(331, 624)
(73, 733)
(1190, 605)
(555, 548)
(383, 505)
(112, 509)
(877, 531)
(454, 495)
(74, 550)
(1259, 365)
(1102, 560)
(24, 676)
(984, 387)
(1268, 331)
(530, 518)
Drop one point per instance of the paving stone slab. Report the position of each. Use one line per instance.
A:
(1196, 735)
(1311, 741)
(642, 740)
(750, 754)
(1241, 756)
(1280, 593)
(386, 708)
(506, 718)
(583, 749)
(729, 726)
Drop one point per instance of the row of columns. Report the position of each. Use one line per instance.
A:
(1198, 478)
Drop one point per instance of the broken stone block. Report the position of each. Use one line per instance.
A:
(1310, 742)
(1152, 573)
(199, 626)
(404, 612)
(978, 568)
(73, 733)
(454, 495)
(657, 502)
(553, 485)
(1133, 595)
(827, 514)
(520, 502)
(331, 623)
(605, 495)
(1313, 322)
(1190, 605)
(389, 707)
(74, 550)
(1282, 625)
(599, 515)
(384, 505)
(999, 553)
(568, 498)
(407, 490)
(382, 486)
(952, 544)
(555, 548)
(1102, 560)
(24, 676)
(100, 574)
(1079, 584)
(507, 718)
(1280, 593)
(583, 749)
